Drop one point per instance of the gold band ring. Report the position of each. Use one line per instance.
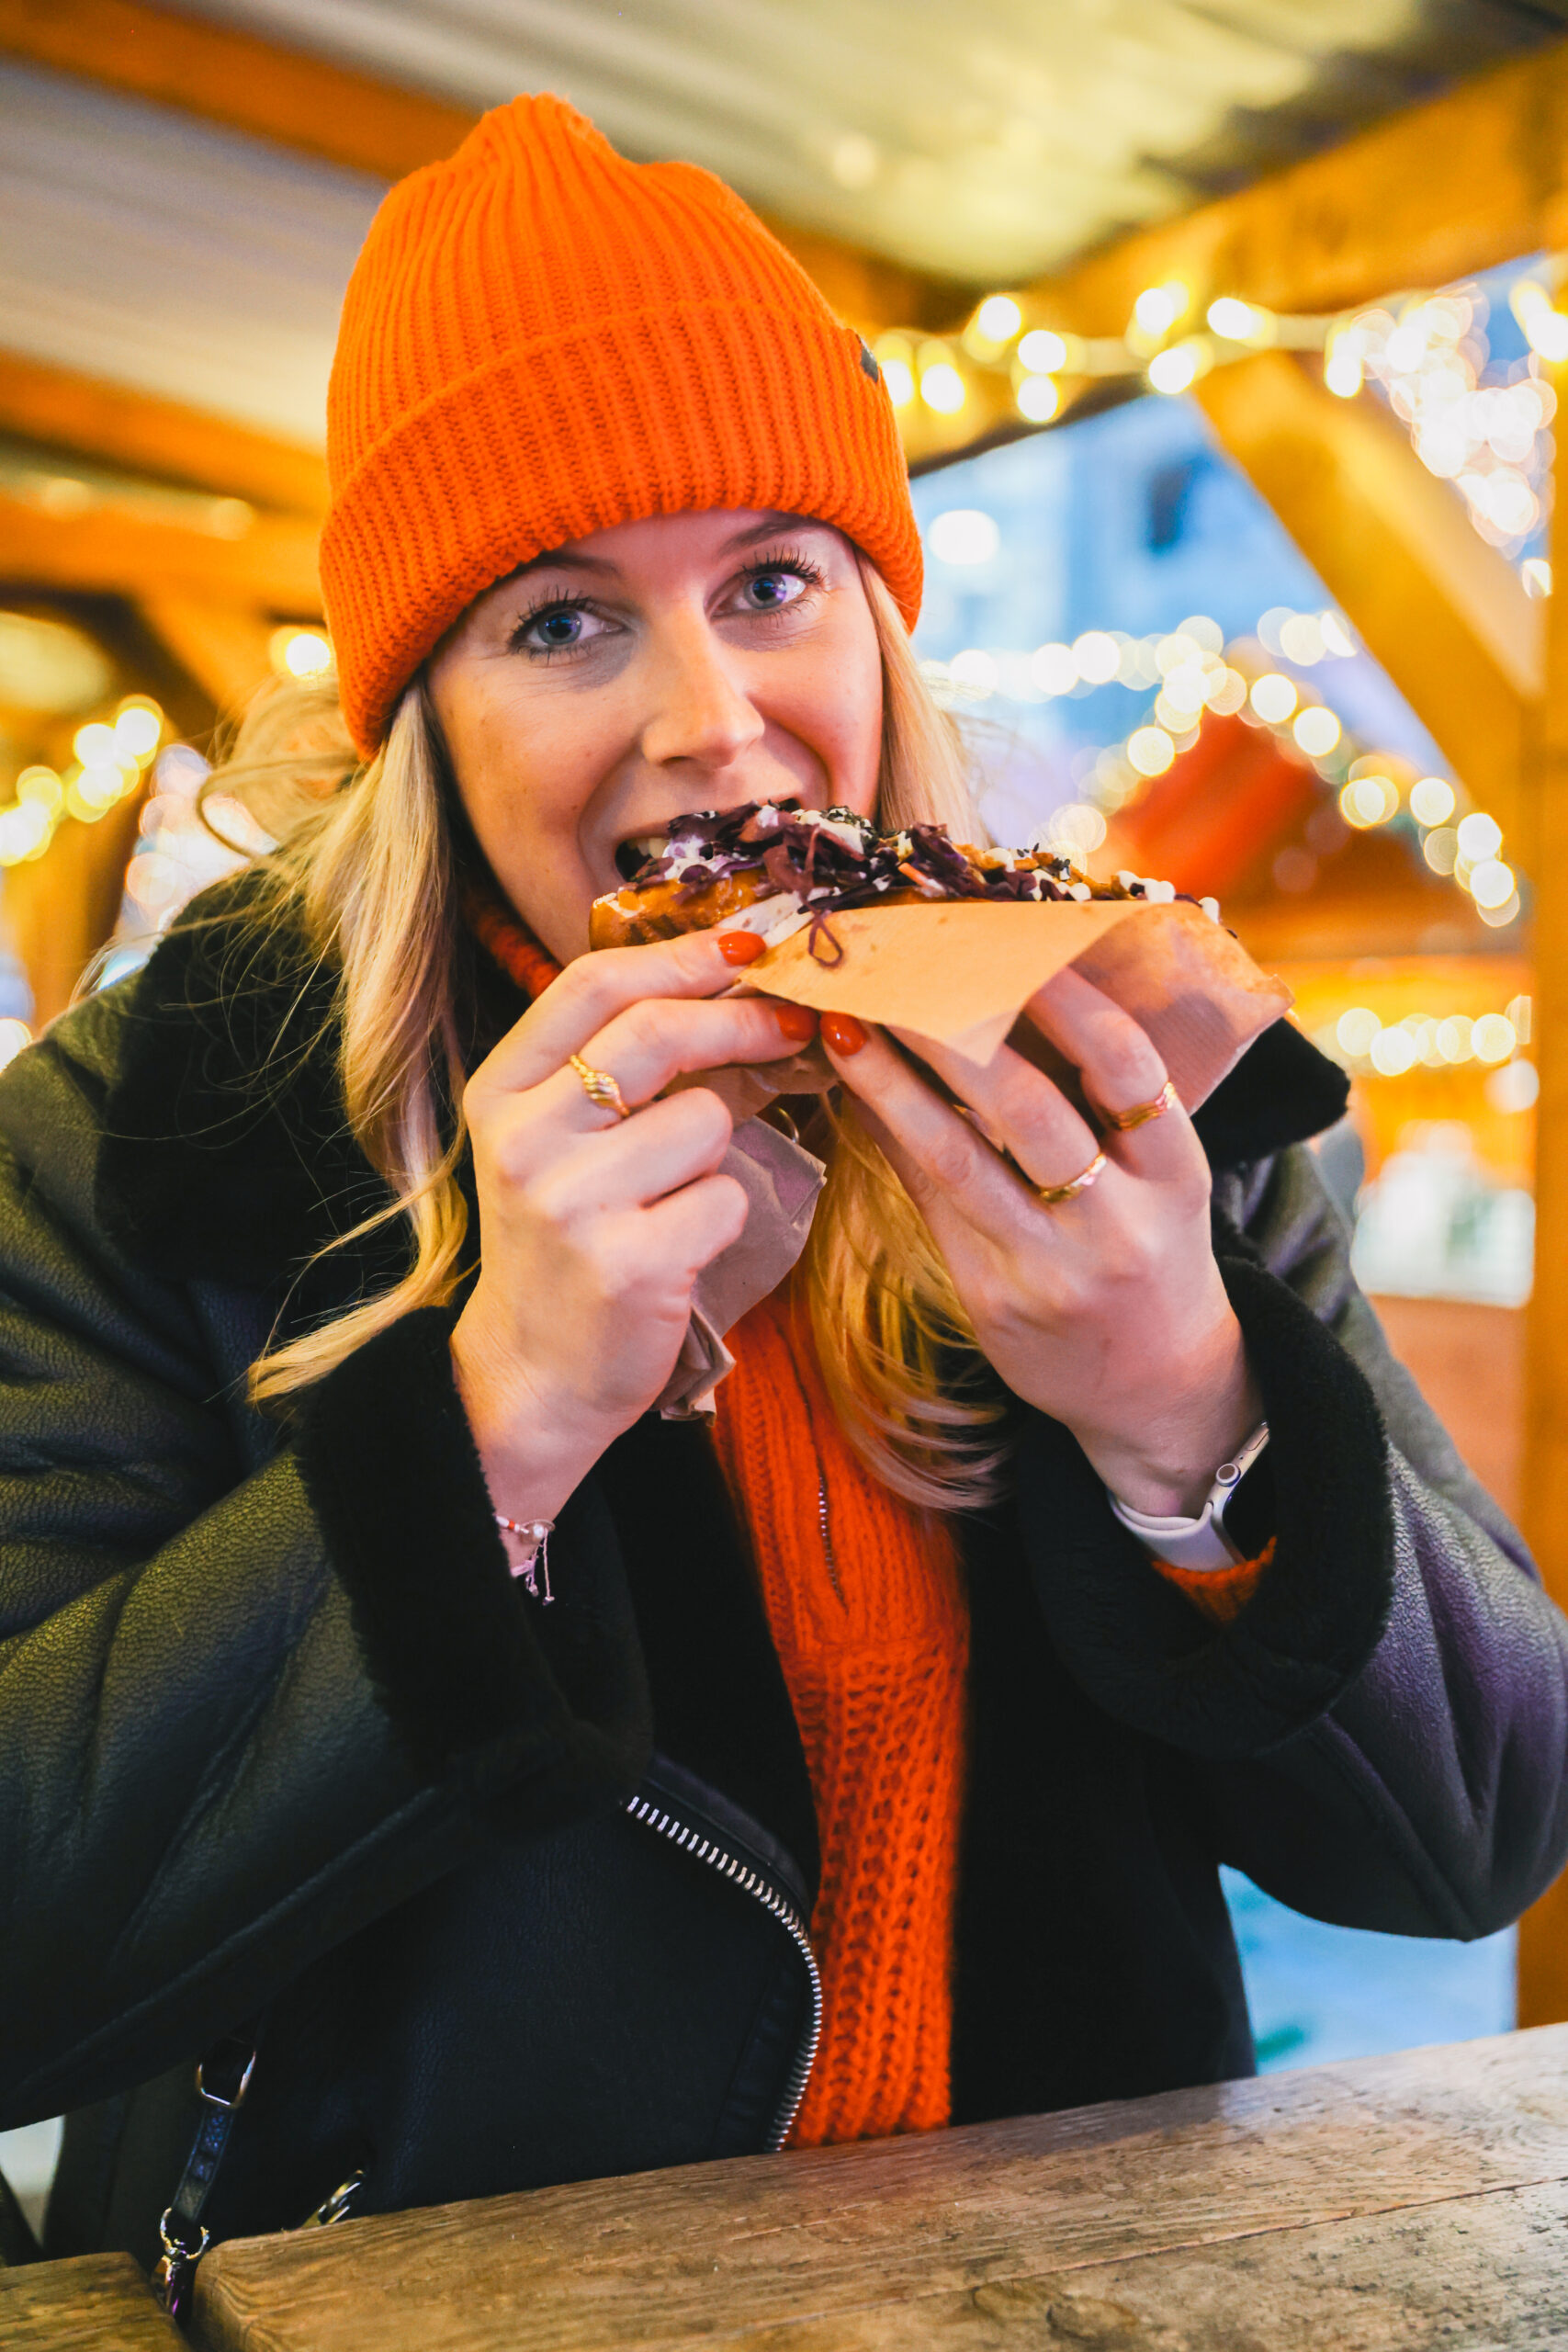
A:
(1054, 1195)
(1142, 1112)
(600, 1087)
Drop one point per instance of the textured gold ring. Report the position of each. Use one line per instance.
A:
(601, 1088)
(1054, 1194)
(1142, 1112)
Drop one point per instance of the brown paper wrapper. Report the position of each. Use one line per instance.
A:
(960, 972)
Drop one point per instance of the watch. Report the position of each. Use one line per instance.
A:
(1235, 1524)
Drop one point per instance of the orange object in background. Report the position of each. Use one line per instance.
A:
(1202, 823)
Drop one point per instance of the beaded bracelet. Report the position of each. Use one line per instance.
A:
(535, 1567)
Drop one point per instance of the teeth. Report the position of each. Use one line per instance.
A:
(650, 844)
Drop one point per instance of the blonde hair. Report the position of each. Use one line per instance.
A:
(365, 858)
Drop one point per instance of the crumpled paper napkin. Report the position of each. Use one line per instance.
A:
(782, 1180)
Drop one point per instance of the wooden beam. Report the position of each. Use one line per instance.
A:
(239, 80)
(135, 430)
(226, 650)
(1544, 1932)
(270, 568)
(349, 118)
(1444, 613)
(1437, 192)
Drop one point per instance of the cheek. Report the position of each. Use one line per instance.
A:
(835, 708)
(524, 774)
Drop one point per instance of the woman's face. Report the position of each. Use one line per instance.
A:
(689, 662)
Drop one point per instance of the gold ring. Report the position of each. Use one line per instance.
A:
(600, 1087)
(1054, 1195)
(1142, 1112)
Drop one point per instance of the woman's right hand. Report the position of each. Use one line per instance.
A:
(594, 1228)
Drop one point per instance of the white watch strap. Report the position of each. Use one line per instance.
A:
(1200, 1543)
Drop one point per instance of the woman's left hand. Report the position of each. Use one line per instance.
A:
(1107, 1310)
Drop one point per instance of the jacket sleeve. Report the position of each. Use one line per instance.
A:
(246, 1706)
(1380, 1738)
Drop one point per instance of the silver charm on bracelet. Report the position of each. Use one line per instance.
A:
(534, 1569)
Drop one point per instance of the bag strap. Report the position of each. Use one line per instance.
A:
(222, 2080)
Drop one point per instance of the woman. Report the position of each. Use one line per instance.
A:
(539, 1785)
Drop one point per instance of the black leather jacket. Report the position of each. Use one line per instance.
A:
(519, 1893)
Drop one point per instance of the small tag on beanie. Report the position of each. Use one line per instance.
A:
(868, 361)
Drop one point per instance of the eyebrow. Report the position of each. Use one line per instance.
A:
(565, 559)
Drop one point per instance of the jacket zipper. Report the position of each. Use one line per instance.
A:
(752, 1882)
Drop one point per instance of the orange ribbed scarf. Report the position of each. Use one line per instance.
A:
(866, 1603)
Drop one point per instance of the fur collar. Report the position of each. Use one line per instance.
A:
(227, 1155)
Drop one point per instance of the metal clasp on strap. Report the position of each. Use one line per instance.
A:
(185, 2235)
(237, 2097)
(175, 2267)
(335, 2208)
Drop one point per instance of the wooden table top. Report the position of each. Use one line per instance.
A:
(100, 2302)
(1413, 2200)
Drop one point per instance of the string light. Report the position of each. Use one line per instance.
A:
(112, 759)
(963, 535)
(1041, 352)
(1150, 750)
(1369, 800)
(1038, 398)
(1273, 696)
(1096, 657)
(1157, 308)
(1432, 800)
(1436, 1042)
(301, 652)
(1175, 369)
(1189, 666)
(943, 387)
(1316, 730)
(1480, 837)
(998, 319)
(1052, 669)
(1243, 322)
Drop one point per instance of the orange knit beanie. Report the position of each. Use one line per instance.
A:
(541, 340)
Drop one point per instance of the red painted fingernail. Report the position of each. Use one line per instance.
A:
(741, 946)
(842, 1032)
(797, 1021)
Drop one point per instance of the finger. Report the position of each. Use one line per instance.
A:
(670, 1143)
(592, 989)
(942, 1160)
(643, 1048)
(654, 1043)
(1122, 1070)
(690, 1229)
(1018, 1107)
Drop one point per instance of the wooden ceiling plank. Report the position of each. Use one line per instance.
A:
(344, 117)
(272, 567)
(226, 648)
(1390, 544)
(146, 434)
(237, 79)
(1435, 192)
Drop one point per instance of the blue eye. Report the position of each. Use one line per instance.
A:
(556, 629)
(770, 590)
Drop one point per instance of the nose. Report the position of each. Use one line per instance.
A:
(702, 716)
